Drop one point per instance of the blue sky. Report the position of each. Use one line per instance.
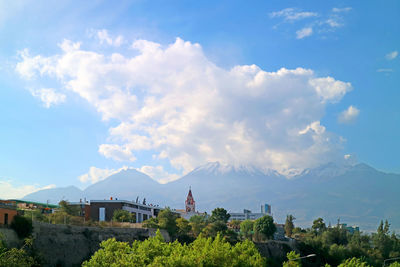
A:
(88, 88)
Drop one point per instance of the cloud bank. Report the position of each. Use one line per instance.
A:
(48, 96)
(9, 190)
(176, 103)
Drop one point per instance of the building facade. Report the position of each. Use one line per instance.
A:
(83, 208)
(190, 204)
(248, 215)
(190, 208)
(103, 210)
(7, 213)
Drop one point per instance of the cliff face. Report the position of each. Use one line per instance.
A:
(65, 245)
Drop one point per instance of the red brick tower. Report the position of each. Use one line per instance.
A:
(190, 203)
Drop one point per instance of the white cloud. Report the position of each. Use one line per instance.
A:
(315, 127)
(385, 70)
(307, 31)
(9, 190)
(176, 103)
(48, 96)
(321, 24)
(330, 89)
(350, 159)
(392, 55)
(30, 65)
(333, 22)
(116, 152)
(159, 174)
(349, 115)
(339, 10)
(96, 174)
(105, 38)
(292, 14)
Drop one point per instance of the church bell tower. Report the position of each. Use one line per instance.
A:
(190, 203)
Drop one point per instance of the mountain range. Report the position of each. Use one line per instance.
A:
(355, 194)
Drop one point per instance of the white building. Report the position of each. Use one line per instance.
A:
(248, 215)
(103, 210)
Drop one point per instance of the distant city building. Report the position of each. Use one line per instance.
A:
(248, 215)
(32, 205)
(266, 209)
(103, 210)
(350, 229)
(8, 210)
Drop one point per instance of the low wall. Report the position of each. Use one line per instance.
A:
(66, 245)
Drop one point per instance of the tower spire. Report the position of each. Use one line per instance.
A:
(190, 203)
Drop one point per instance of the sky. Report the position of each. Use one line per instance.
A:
(88, 88)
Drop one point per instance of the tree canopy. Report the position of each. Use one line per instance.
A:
(265, 226)
(155, 252)
(219, 214)
(123, 216)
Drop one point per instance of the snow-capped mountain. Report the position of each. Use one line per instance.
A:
(356, 194)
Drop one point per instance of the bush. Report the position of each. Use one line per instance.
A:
(16, 258)
(22, 226)
(265, 226)
(123, 216)
(354, 262)
(155, 252)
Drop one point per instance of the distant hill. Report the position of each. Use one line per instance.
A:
(54, 195)
(356, 194)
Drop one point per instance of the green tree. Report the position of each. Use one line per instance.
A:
(36, 215)
(167, 220)
(318, 226)
(235, 224)
(219, 214)
(292, 262)
(337, 253)
(70, 210)
(382, 241)
(184, 230)
(265, 227)
(155, 252)
(354, 262)
(15, 257)
(22, 226)
(183, 225)
(151, 223)
(289, 225)
(123, 216)
(198, 223)
(247, 229)
(212, 229)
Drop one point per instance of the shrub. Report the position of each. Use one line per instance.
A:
(155, 252)
(22, 226)
(354, 262)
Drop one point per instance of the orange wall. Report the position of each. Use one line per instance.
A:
(11, 213)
